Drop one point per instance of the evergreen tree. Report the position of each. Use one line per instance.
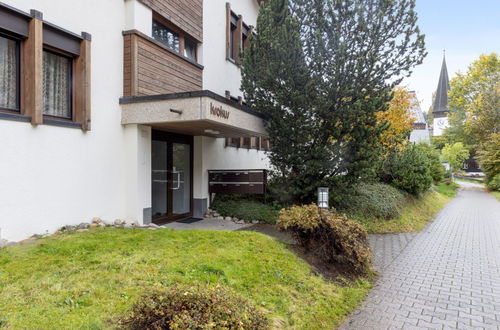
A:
(320, 70)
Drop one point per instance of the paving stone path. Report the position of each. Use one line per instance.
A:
(447, 277)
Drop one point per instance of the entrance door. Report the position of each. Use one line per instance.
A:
(171, 175)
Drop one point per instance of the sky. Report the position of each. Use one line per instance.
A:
(464, 28)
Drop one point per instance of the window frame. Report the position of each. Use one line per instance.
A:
(169, 30)
(183, 38)
(18, 72)
(71, 93)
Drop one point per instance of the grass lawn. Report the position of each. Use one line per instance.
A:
(87, 280)
(416, 212)
(496, 194)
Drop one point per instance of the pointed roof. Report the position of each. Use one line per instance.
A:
(440, 103)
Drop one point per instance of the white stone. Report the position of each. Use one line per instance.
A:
(97, 220)
(228, 218)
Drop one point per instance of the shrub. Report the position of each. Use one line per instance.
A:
(330, 236)
(201, 307)
(245, 208)
(494, 183)
(370, 200)
(437, 169)
(489, 157)
(408, 170)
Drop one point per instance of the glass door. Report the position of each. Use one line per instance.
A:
(181, 178)
(159, 177)
(171, 175)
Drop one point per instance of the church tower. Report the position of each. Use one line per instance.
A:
(440, 104)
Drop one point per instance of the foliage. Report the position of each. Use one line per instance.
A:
(489, 156)
(399, 120)
(437, 169)
(245, 208)
(198, 307)
(319, 71)
(89, 280)
(408, 170)
(455, 154)
(447, 188)
(328, 235)
(376, 200)
(494, 183)
(474, 102)
(415, 214)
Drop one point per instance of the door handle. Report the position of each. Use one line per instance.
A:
(178, 180)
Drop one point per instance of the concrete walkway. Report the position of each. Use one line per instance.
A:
(448, 276)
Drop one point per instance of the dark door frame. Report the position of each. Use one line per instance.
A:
(172, 138)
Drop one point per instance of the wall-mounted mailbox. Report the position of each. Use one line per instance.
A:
(237, 182)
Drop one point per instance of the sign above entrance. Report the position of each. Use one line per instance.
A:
(218, 111)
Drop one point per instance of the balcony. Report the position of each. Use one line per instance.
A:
(150, 68)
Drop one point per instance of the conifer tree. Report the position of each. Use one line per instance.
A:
(320, 70)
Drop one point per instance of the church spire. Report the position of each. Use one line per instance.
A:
(441, 98)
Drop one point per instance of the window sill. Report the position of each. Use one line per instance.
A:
(16, 116)
(61, 123)
(232, 61)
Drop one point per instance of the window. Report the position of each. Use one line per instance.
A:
(166, 36)
(190, 49)
(9, 74)
(57, 85)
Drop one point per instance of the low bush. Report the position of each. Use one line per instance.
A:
(494, 183)
(437, 169)
(331, 237)
(197, 307)
(246, 208)
(408, 170)
(377, 200)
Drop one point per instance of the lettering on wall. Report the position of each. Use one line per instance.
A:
(218, 111)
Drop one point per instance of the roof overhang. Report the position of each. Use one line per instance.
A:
(193, 113)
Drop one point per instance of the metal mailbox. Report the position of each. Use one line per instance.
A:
(237, 182)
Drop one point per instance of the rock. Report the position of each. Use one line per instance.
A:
(220, 218)
(215, 214)
(83, 225)
(240, 222)
(153, 225)
(118, 222)
(94, 225)
(97, 220)
(255, 221)
(228, 219)
(235, 219)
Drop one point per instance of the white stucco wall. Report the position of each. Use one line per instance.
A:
(220, 74)
(51, 176)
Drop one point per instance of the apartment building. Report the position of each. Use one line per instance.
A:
(118, 108)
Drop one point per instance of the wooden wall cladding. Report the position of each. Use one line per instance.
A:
(185, 14)
(150, 69)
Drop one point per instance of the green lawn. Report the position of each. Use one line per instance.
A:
(416, 212)
(88, 280)
(496, 194)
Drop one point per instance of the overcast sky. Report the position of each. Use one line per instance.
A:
(465, 28)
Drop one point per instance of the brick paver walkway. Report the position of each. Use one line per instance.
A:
(448, 276)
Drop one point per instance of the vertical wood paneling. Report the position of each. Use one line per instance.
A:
(32, 95)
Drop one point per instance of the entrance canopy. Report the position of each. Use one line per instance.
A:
(193, 113)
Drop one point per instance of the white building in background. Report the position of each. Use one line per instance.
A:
(124, 120)
(420, 132)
